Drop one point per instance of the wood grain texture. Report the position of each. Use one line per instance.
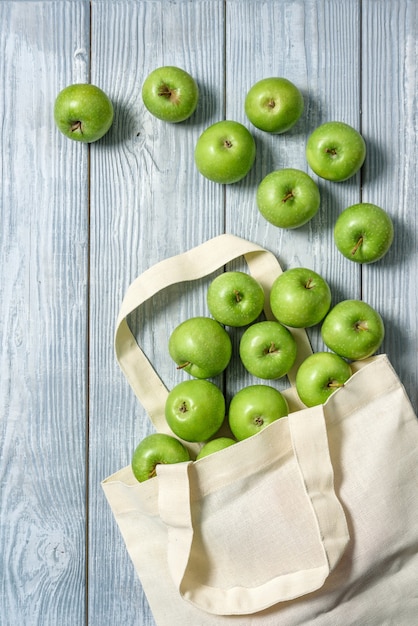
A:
(43, 295)
(147, 203)
(389, 123)
(79, 223)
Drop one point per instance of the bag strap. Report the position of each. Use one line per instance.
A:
(310, 443)
(191, 265)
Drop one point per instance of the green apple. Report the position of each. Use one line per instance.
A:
(235, 298)
(319, 375)
(353, 329)
(201, 347)
(195, 410)
(170, 94)
(156, 449)
(83, 112)
(335, 151)
(300, 298)
(288, 198)
(267, 350)
(225, 152)
(274, 104)
(363, 233)
(253, 408)
(220, 443)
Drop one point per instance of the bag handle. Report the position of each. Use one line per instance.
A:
(309, 441)
(194, 264)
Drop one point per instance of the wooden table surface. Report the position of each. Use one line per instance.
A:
(80, 222)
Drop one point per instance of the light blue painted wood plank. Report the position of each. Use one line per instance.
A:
(43, 247)
(147, 203)
(389, 122)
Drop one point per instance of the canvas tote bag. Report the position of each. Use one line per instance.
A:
(312, 521)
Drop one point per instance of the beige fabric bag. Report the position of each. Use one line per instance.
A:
(313, 521)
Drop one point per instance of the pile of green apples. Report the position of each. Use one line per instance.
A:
(196, 408)
(300, 298)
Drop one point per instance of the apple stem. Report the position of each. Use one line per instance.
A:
(271, 103)
(288, 196)
(76, 126)
(333, 384)
(357, 246)
(170, 94)
(183, 365)
(331, 151)
(309, 283)
(359, 326)
(238, 296)
(272, 348)
(153, 472)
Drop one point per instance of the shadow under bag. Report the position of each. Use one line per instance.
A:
(313, 521)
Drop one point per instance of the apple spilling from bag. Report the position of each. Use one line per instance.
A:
(363, 233)
(225, 152)
(201, 347)
(353, 329)
(288, 198)
(267, 350)
(253, 408)
(335, 151)
(300, 298)
(83, 112)
(195, 410)
(170, 93)
(215, 445)
(320, 375)
(156, 449)
(235, 298)
(274, 104)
